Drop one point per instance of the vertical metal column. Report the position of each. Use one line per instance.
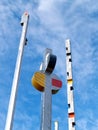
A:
(47, 100)
(10, 114)
(70, 88)
(56, 125)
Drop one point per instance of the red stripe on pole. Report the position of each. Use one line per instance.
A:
(57, 83)
(71, 115)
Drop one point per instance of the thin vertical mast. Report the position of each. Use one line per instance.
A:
(56, 125)
(10, 114)
(47, 102)
(70, 88)
(47, 98)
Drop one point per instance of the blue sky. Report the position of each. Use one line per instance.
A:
(51, 23)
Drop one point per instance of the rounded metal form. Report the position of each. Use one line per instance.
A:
(50, 62)
(39, 82)
(56, 83)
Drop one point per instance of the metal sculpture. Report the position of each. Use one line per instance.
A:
(48, 83)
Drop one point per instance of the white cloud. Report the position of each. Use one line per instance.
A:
(51, 22)
(85, 123)
(50, 16)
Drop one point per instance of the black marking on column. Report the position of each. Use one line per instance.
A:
(71, 88)
(68, 105)
(66, 48)
(73, 124)
(67, 73)
(68, 54)
(26, 41)
(70, 60)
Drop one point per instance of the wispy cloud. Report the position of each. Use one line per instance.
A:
(51, 22)
(85, 123)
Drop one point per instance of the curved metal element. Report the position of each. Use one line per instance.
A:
(39, 81)
(50, 63)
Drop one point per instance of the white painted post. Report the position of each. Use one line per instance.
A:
(56, 124)
(47, 66)
(11, 107)
(70, 88)
(47, 101)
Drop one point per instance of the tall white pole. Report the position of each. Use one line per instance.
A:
(47, 99)
(70, 88)
(10, 114)
(56, 125)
